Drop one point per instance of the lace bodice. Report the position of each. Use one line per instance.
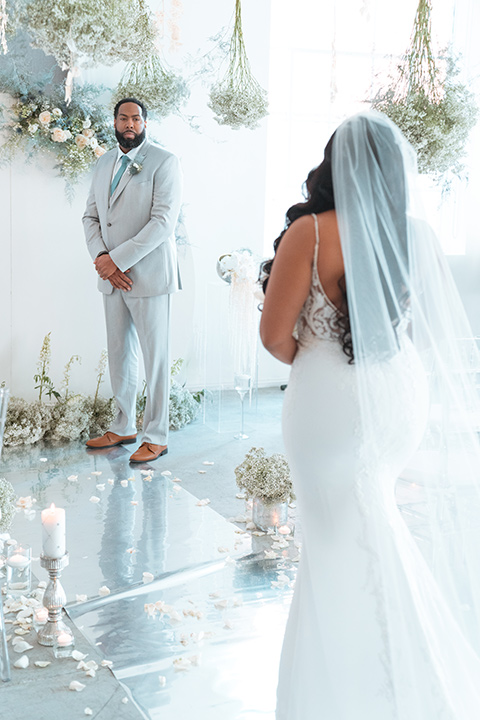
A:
(318, 318)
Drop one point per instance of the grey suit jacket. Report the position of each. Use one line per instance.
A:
(136, 224)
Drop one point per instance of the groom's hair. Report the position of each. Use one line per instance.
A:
(132, 100)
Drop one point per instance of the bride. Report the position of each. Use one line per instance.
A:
(384, 623)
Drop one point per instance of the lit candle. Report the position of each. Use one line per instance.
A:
(53, 524)
(18, 561)
(64, 639)
(284, 530)
(40, 615)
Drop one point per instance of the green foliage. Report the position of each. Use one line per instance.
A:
(45, 383)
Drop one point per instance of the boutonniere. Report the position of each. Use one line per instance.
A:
(134, 168)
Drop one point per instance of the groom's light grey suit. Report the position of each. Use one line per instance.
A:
(136, 227)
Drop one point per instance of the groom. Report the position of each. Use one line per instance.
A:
(129, 225)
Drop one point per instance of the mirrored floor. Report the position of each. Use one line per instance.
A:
(179, 598)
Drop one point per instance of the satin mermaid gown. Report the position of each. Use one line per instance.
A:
(356, 648)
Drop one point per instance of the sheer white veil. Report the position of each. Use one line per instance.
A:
(416, 365)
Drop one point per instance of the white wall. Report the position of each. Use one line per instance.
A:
(48, 280)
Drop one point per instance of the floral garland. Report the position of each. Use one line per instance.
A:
(265, 477)
(237, 99)
(75, 135)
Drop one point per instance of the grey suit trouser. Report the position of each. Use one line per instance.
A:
(130, 320)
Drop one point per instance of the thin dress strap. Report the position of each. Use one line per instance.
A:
(315, 254)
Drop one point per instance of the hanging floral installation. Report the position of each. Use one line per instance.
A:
(433, 109)
(237, 99)
(161, 89)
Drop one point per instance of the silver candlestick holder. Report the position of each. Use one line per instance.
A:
(54, 599)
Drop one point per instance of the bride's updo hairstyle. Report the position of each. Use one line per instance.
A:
(384, 153)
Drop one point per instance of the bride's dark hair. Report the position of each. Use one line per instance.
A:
(318, 192)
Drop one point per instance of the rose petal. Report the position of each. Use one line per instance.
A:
(77, 655)
(104, 590)
(42, 663)
(72, 478)
(96, 472)
(203, 502)
(76, 686)
(147, 577)
(124, 483)
(88, 711)
(94, 499)
(22, 662)
(81, 598)
(166, 473)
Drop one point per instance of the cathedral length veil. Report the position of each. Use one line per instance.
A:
(400, 293)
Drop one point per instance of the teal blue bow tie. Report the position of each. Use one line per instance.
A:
(124, 162)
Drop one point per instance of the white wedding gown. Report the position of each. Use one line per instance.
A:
(345, 655)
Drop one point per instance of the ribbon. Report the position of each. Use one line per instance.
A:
(72, 72)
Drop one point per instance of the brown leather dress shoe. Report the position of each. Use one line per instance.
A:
(110, 439)
(148, 452)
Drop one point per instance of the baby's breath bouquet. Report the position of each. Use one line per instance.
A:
(237, 99)
(75, 135)
(265, 477)
(161, 89)
(8, 501)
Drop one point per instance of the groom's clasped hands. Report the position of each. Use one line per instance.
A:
(107, 270)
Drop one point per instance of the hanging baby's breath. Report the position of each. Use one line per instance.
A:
(237, 99)
(161, 89)
(426, 101)
(90, 32)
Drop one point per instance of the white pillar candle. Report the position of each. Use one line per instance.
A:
(53, 525)
(18, 561)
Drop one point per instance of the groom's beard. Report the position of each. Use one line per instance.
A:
(128, 142)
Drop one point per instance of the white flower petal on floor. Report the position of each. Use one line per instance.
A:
(88, 711)
(76, 686)
(203, 502)
(94, 499)
(96, 472)
(72, 478)
(166, 473)
(42, 663)
(100, 487)
(104, 590)
(78, 656)
(124, 483)
(162, 680)
(21, 646)
(147, 577)
(22, 663)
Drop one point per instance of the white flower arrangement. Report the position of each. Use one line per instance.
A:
(76, 135)
(238, 265)
(8, 501)
(265, 477)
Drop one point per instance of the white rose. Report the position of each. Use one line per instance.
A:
(57, 112)
(87, 123)
(81, 141)
(93, 143)
(99, 151)
(68, 134)
(45, 117)
(58, 135)
(33, 128)
(88, 133)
